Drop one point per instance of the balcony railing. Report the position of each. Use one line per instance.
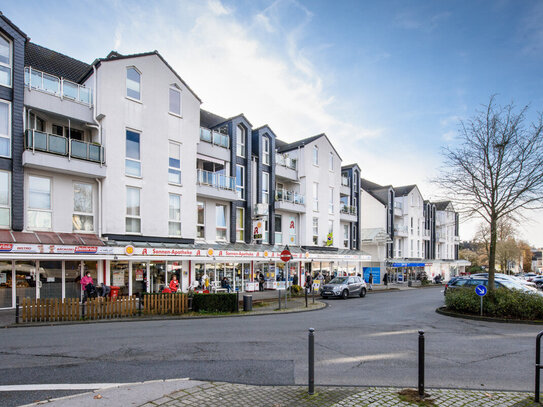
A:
(349, 210)
(400, 229)
(59, 87)
(214, 137)
(286, 161)
(51, 143)
(285, 195)
(345, 181)
(216, 180)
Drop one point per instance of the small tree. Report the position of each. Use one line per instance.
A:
(495, 169)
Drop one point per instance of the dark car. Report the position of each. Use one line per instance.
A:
(344, 287)
(474, 282)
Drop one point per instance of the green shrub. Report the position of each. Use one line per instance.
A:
(502, 303)
(215, 302)
(296, 289)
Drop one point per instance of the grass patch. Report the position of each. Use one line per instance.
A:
(412, 396)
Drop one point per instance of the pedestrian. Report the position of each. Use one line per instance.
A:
(370, 281)
(87, 285)
(308, 282)
(226, 284)
(174, 284)
(295, 279)
(260, 282)
(385, 280)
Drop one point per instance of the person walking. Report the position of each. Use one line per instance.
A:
(370, 281)
(260, 282)
(308, 282)
(385, 280)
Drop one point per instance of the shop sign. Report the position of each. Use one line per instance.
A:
(258, 229)
(86, 249)
(129, 250)
(118, 278)
(330, 239)
(139, 274)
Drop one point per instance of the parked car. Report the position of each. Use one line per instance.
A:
(344, 287)
(452, 280)
(501, 276)
(529, 276)
(510, 284)
(538, 281)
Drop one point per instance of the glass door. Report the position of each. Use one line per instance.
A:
(50, 279)
(229, 273)
(72, 272)
(139, 278)
(6, 284)
(25, 279)
(158, 276)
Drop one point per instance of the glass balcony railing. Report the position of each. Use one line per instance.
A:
(216, 180)
(345, 181)
(285, 195)
(59, 87)
(51, 143)
(285, 161)
(348, 210)
(214, 137)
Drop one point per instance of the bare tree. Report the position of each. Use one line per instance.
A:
(495, 170)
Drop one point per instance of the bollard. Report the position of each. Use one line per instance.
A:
(237, 301)
(421, 363)
(140, 298)
(537, 365)
(83, 311)
(313, 291)
(305, 290)
(17, 310)
(279, 296)
(311, 361)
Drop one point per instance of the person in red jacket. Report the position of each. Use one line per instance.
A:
(174, 284)
(86, 280)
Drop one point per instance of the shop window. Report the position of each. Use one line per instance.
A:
(83, 215)
(39, 213)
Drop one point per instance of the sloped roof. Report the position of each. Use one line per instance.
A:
(54, 63)
(7, 20)
(404, 190)
(301, 143)
(442, 205)
(368, 185)
(210, 120)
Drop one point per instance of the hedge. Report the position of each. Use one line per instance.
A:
(501, 303)
(215, 302)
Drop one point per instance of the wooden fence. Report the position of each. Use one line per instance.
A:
(106, 308)
(173, 303)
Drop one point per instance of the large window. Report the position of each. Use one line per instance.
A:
(133, 83)
(315, 155)
(133, 215)
(240, 181)
(316, 231)
(278, 230)
(240, 225)
(5, 129)
(175, 101)
(83, 216)
(39, 203)
(240, 141)
(346, 236)
(315, 196)
(5, 199)
(220, 215)
(174, 164)
(174, 218)
(200, 220)
(5, 61)
(266, 150)
(265, 188)
(331, 203)
(133, 160)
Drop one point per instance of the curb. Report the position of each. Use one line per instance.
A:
(444, 311)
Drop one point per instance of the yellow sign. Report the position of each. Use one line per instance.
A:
(210, 252)
(129, 250)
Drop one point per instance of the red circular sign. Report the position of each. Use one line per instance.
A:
(286, 255)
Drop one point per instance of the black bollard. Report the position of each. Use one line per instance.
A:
(17, 310)
(279, 296)
(421, 363)
(305, 290)
(140, 299)
(537, 365)
(311, 369)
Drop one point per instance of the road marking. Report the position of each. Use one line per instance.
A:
(75, 386)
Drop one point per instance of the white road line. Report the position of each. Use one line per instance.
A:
(73, 386)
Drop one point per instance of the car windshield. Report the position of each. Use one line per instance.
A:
(339, 280)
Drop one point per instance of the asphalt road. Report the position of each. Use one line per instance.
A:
(359, 341)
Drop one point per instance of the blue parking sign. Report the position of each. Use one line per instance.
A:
(480, 290)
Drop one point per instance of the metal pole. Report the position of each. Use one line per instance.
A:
(537, 365)
(279, 296)
(481, 305)
(311, 361)
(421, 363)
(313, 291)
(17, 310)
(305, 291)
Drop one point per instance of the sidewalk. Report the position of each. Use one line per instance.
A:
(182, 392)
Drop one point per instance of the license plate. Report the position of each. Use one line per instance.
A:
(327, 292)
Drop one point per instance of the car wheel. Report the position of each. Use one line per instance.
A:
(345, 294)
(324, 296)
(362, 292)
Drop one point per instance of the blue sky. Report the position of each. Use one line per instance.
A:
(387, 81)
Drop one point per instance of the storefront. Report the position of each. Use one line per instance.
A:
(401, 272)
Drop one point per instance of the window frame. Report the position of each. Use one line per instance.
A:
(266, 192)
(174, 221)
(130, 158)
(315, 159)
(266, 147)
(172, 169)
(137, 217)
(225, 227)
(315, 196)
(346, 239)
(315, 230)
(31, 209)
(240, 227)
(240, 189)
(240, 147)
(8, 136)
(331, 203)
(9, 65)
(139, 100)
(331, 162)
(173, 88)
(202, 225)
(91, 213)
(8, 205)
(280, 231)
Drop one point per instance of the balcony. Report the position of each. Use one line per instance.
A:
(53, 94)
(398, 208)
(216, 185)
(348, 213)
(60, 154)
(345, 187)
(214, 144)
(289, 201)
(401, 231)
(286, 167)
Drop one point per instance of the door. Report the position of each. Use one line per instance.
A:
(50, 278)
(354, 287)
(6, 284)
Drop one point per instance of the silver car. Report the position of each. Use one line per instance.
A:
(344, 287)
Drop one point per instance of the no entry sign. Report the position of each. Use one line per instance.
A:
(286, 255)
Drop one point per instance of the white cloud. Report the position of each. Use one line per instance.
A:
(217, 8)
(449, 136)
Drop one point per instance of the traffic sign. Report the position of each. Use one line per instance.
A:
(480, 290)
(286, 255)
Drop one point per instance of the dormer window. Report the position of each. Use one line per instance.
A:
(133, 83)
(266, 150)
(175, 100)
(5, 61)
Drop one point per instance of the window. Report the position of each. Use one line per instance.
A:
(265, 188)
(292, 230)
(346, 236)
(36, 123)
(220, 214)
(58, 130)
(174, 164)
(132, 162)
(411, 248)
(39, 203)
(174, 218)
(175, 101)
(5, 201)
(315, 196)
(278, 230)
(265, 235)
(133, 216)
(355, 235)
(331, 203)
(133, 83)
(331, 162)
(200, 220)
(315, 231)
(83, 216)
(411, 225)
(315, 155)
(240, 225)
(240, 181)
(5, 61)
(5, 129)
(240, 141)
(266, 150)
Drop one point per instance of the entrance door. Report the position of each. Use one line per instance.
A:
(50, 278)
(72, 271)
(6, 284)
(158, 276)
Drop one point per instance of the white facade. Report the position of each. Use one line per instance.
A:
(409, 226)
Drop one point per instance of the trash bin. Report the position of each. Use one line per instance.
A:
(247, 303)
(114, 291)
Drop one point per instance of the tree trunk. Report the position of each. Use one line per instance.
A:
(492, 252)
